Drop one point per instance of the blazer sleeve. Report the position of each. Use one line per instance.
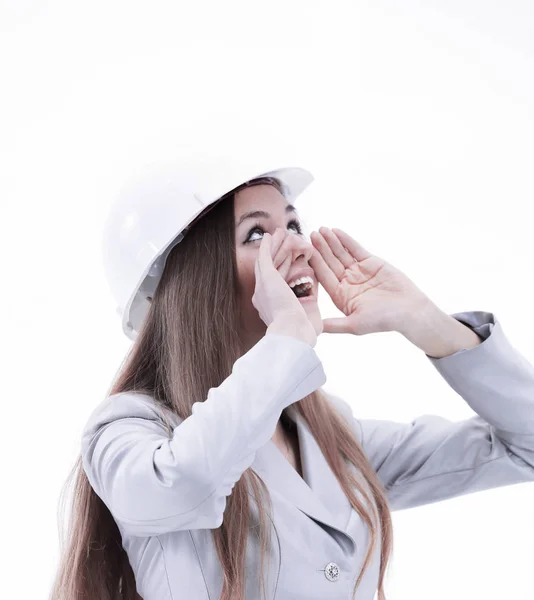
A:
(154, 483)
(431, 458)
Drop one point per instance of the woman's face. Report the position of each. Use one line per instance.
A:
(248, 235)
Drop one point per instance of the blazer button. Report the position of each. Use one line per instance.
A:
(331, 571)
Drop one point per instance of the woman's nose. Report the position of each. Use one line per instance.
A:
(298, 245)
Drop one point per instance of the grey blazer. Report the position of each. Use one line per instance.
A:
(166, 493)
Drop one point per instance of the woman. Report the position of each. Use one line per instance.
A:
(216, 466)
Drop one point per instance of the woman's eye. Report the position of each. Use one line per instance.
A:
(258, 227)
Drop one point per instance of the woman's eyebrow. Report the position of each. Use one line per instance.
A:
(256, 214)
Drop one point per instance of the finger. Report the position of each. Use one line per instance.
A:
(355, 248)
(336, 325)
(325, 276)
(280, 250)
(276, 240)
(268, 242)
(285, 266)
(257, 269)
(283, 251)
(337, 247)
(264, 254)
(334, 264)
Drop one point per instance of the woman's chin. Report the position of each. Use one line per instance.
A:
(309, 304)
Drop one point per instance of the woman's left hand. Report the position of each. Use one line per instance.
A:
(373, 294)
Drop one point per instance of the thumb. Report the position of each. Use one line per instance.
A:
(336, 325)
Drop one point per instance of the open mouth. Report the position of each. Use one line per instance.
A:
(303, 290)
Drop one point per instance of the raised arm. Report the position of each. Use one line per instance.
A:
(153, 483)
(432, 458)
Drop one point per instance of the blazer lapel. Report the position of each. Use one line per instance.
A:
(318, 494)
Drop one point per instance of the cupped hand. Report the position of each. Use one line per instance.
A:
(373, 294)
(273, 298)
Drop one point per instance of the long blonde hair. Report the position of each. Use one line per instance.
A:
(189, 344)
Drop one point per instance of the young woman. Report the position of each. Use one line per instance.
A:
(216, 466)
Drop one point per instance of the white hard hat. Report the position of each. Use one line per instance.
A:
(152, 213)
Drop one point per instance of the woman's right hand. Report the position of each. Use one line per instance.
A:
(274, 300)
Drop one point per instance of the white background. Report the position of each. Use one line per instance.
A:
(417, 120)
